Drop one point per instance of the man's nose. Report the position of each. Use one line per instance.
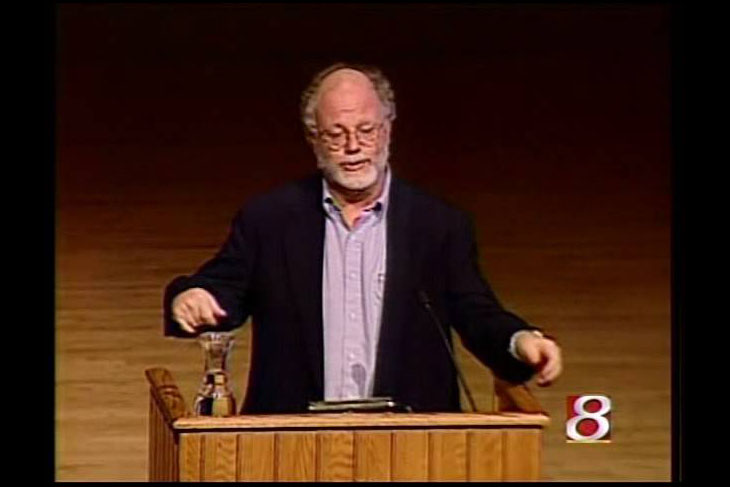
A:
(352, 145)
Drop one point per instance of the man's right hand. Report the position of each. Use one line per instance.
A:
(196, 307)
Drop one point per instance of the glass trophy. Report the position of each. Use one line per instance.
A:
(215, 397)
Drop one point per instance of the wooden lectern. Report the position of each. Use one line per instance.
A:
(505, 445)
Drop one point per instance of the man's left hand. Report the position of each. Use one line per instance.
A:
(543, 354)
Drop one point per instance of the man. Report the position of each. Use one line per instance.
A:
(334, 271)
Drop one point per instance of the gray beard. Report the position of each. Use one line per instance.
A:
(334, 174)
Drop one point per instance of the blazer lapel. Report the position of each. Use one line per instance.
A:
(397, 289)
(304, 247)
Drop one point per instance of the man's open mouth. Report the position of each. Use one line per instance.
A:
(354, 165)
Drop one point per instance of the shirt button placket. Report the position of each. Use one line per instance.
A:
(352, 293)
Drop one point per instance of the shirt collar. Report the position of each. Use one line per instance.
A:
(380, 205)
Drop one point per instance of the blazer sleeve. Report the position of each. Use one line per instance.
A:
(227, 276)
(484, 326)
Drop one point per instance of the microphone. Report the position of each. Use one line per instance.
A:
(426, 302)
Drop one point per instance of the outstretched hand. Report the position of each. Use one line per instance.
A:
(196, 307)
(543, 354)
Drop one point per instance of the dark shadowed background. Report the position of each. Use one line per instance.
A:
(548, 123)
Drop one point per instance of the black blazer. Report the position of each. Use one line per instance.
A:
(270, 268)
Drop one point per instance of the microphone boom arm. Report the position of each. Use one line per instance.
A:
(426, 302)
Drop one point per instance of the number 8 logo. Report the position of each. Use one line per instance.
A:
(581, 414)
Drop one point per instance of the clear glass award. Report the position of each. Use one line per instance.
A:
(215, 397)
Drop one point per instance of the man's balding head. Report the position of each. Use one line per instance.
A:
(345, 75)
(345, 89)
(347, 112)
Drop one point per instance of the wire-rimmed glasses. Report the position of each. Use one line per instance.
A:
(338, 137)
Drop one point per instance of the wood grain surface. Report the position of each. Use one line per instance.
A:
(220, 462)
(360, 455)
(372, 456)
(409, 453)
(335, 456)
(525, 466)
(296, 457)
(360, 420)
(485, 455)
(256, 456)
(448, 455)
(191, 453)
(163, 450)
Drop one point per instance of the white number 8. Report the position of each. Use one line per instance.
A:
(571, 426)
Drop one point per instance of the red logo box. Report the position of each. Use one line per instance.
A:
(588, 419)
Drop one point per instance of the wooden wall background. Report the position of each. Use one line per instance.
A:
(549, 124)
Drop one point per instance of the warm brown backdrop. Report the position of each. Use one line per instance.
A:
(550, 124)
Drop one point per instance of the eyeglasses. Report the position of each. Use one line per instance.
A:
(365, 134)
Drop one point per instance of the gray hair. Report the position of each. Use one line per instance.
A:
(377, 78)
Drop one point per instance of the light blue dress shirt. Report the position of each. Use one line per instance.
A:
(353, 280)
